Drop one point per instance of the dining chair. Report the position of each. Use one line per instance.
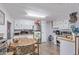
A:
(25, 50)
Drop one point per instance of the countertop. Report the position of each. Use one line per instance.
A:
(24, 42)
(65, 39)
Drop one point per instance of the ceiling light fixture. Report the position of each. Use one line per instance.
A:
(34, 14)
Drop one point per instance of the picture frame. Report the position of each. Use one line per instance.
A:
(2, 18)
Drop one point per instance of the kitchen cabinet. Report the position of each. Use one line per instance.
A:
(67, 47)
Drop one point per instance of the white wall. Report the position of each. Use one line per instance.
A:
(44, 32)
(47, 29)
(3, 28)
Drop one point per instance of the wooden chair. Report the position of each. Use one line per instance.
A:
(11, 50)
(25, 50)
(36, 52)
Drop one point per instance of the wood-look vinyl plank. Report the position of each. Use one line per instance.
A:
(48, 49)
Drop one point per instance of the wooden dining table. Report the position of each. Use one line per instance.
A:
(24, 42)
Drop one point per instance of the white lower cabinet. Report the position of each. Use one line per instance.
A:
(67, 48)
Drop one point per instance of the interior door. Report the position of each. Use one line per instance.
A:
(8, 30)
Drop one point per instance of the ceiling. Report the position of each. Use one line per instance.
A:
(53, 11)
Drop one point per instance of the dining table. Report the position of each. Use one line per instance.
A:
(24, 42)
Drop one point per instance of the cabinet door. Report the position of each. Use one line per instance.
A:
(67, 48)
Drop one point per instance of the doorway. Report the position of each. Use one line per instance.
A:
(8, 30)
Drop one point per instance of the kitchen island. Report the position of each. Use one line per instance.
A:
(67, 46)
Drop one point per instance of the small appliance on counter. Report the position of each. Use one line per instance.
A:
(57, 32)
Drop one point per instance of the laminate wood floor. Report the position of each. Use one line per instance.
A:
(48, 49)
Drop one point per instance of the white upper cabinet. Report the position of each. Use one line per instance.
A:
(23, 24)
